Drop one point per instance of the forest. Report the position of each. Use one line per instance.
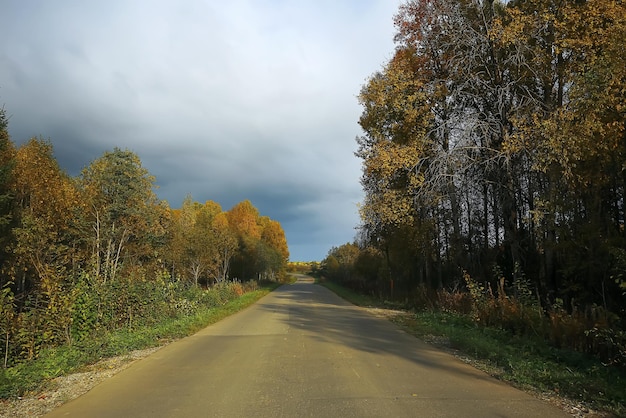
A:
(494, 169)
(100, 251)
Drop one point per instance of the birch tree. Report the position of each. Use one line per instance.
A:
(118, 197)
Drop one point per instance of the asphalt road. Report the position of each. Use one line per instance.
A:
(303, 352)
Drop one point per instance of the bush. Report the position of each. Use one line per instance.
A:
(593, 331)
(458, 302)
(88, 308)
(609, 345)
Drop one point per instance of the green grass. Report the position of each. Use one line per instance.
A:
(525, 362)
(51, 363)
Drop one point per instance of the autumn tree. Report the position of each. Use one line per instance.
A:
(244, 218)
(184, 251)
(195, 244)
(216, 245)
(495, 135)
(203, 242)
(120, 204)
(7, 300)
(340, 262)
(7, 161)
(573, 135)
(587, 148)
(277, 251)
(44, 249)
(87, 254)
(226, 245)
(263, 248)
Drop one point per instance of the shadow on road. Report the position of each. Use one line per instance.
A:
(322, 315)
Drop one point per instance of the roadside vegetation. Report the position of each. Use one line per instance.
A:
(94, 265)
(527, 361)
(185, 311)
(493, 151)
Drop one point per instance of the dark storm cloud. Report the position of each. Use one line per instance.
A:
(225, 101)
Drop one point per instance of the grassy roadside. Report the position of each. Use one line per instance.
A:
(33, 376)
(530, 364)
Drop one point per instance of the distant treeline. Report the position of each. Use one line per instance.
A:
(75, 251)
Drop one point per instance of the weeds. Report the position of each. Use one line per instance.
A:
(189, 310)
(592, 331)
(528, 362)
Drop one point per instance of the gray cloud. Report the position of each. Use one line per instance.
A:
(224, 100)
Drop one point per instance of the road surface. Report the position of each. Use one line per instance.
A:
(302, 351)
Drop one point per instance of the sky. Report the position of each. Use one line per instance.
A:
(221, 100)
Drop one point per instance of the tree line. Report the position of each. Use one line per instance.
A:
(494, 147)
(93, 251)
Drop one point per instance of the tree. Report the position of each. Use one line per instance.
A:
(496, 135)
(397, 151)
(119, 200)
(226, 245)
(45, 248)
(243, 219)
(197, 240)
(262, 246)
(574, 136)
(274, 236)
(340, 261)
(202, 241)
(7, 162)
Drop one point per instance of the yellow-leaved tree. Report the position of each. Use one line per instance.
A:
(46, 245)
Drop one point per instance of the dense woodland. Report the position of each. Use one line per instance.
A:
(101, 251)
(494, 163)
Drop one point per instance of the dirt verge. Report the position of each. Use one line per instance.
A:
(65, 388)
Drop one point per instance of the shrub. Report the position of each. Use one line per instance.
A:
(88, 308)
(250, 286)
(609, 345)
(236, 289)
(591, 331)
(455, 301)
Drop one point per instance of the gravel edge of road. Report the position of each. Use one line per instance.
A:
(575, 409)
(65, 388)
